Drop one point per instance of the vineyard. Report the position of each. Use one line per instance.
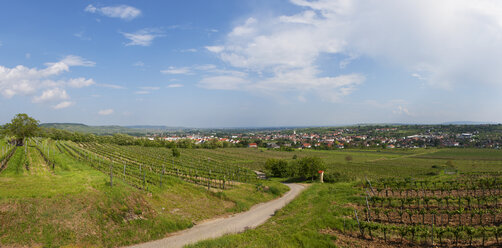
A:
(463, 211)
(147, 167)
(6, 152)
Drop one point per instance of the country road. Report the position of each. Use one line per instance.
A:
(256, 216)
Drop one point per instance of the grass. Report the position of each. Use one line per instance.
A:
(310, 220)
(299, 224)
(16, 165)
(371, 163)
(466, 154)
(73, 204)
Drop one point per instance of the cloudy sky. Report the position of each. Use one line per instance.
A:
(227, 63)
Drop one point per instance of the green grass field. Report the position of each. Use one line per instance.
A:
(312, 218)
(374, 163)
(73, 203)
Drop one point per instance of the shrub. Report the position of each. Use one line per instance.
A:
(274, 190)
(309, 167)
(334, 177)
(277, 168)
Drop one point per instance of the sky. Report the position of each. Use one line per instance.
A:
(256, 63)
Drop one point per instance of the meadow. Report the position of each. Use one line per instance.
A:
(60, 193)
(51, 199)
(403, 198)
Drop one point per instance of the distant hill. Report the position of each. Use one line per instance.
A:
(467, 123)
(156, 128)
(99, 130)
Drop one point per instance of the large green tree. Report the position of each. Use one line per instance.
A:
(277, 167)
(21, 127)
(309, 167)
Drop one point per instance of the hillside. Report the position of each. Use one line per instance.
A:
(99, 130)
(50, 197)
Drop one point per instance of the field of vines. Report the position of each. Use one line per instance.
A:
(6, 152)
(147, 167)
(462, 211)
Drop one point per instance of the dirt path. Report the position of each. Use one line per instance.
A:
(256, 216)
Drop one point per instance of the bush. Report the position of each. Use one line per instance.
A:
(176, 152)
(309, 167)
(274, 190)
(277, 168)
(334, 177)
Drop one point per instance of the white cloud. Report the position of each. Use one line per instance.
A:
(150, 88)
(112, 86)
(91, 9)
(51, 95)
(142, 92)
(22, 80)
(146, 90)
(62, 105)
(176, 70)
(175, 86)
(139, 64)
(246, 29)
(81, 35)
(223, 83)
(80, 82)
(105, 112)
(189, 50)
(205, 67)
(215, 49)
(401, 111)
(443, 43)
(124, 12)
(72, 60)
(143, 37)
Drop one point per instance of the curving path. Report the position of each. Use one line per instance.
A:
(256, 216)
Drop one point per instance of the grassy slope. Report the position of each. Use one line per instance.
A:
(299, 224)
(308, 220)
(99, 130)
(74, 205)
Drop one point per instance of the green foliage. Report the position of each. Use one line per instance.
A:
(333, 177)
(309, 167)
(277, 168)
(176, 152)
(22, 126)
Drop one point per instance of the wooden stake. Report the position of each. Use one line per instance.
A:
(111, 176)
(358, 223)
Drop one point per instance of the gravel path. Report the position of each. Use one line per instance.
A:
(256, 216)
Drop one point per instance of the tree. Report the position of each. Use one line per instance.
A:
(22, 126)
(310, 167)
(176, 152)
(277, 167)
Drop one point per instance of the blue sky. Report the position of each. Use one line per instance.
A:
(251, 63)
